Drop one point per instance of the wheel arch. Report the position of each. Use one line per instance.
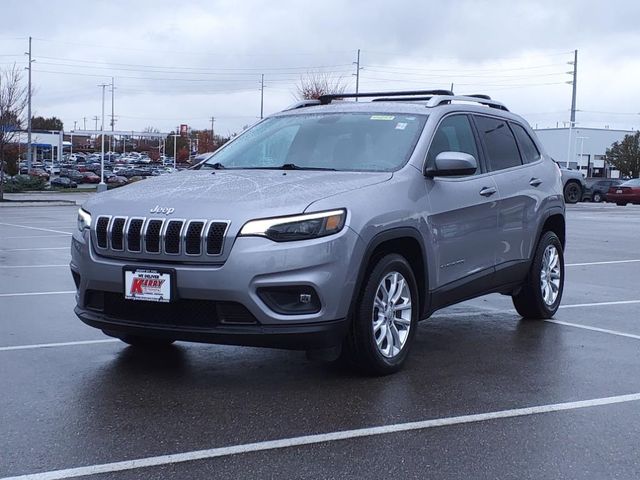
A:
(406, 241)
(554, 222)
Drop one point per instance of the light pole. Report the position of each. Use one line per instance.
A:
(102, 186)
(175, 143)
(582, 139)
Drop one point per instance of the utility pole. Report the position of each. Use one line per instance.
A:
(84, 123)
(213, 119)
(113, 87)
(357, 74)
(95, 119)
(574, 83)
(29, 149)
(262, 96)
(102, 186)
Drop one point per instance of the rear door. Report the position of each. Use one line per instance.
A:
(520, 175)
(463, 210)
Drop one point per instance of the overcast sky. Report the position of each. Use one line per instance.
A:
(183, 62)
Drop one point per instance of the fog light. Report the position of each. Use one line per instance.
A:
(290, 300)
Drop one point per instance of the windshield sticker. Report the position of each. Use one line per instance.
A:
(401, 125)
(382, 117)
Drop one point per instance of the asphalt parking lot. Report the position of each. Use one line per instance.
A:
(484, 394)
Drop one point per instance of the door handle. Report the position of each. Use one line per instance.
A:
(535, 182)
(488, 191)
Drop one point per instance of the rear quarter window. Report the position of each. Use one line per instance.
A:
(528, 149)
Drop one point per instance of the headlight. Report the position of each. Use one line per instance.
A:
(84, 220)
(296, 227)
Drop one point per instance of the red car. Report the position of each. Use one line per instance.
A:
(90, 177)
(627, 192)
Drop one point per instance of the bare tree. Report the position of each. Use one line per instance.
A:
(13, 100)
(315, 84)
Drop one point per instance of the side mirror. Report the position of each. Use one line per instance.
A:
(451, 164)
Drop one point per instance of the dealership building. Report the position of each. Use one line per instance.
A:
(584, 147)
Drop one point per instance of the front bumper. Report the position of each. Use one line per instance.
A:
(329, 265)
(294, 337)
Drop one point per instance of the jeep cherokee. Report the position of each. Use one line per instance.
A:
(332, 227)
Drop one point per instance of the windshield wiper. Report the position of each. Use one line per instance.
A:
(214, 166)
(291, 166)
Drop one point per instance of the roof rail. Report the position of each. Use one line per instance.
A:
(476, 98)
(301, 104)
(327, 99)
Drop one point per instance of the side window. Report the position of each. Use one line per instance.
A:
(454, 134)
(502, 150)
(528, 148)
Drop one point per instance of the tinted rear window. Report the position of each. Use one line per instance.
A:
(502, 150)
(528, 148)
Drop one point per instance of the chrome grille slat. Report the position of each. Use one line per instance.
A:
(152, 235)
(173, 237)
(102, 225)
(193, 237)
(134, 234)
(116, 233)
(215, 237)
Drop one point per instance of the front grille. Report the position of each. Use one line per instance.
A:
(152, 236)
(172, 238)
(215, 238)
(184, 313)
(101, 231)
(136, 235)
(193, 238)
(117, 233)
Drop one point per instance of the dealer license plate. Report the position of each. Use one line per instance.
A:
(147, 285)
(618, 191)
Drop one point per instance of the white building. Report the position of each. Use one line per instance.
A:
(585, 149)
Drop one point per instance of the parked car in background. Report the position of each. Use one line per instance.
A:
(626, 192)
(90, 177)
(116, 180)
(39, 172)
(597, 188)
(74, 175)
(63, 182)
(574, 185)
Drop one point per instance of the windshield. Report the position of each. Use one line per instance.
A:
(328, 141)
(634, 182)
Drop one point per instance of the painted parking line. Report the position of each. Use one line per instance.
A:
(595, 329)
(59, 344)
(611, 262)
(35, 228)
(320, 438)
(600, 304)
(28, 294)
(26, 237)
(34, 249)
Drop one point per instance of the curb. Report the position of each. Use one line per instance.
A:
(38, 203)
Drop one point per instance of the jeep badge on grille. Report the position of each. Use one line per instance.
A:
(164, 210)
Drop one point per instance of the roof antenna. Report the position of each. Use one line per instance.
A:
(451, 87)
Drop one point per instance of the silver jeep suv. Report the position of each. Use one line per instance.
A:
(331, 227)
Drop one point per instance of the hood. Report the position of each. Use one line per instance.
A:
(230, 195)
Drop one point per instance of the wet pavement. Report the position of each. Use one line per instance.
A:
(72, 398)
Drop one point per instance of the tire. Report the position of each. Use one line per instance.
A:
(572, 192)
(530, 301)
(368, 346)
(597, 197)
(147, 343)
